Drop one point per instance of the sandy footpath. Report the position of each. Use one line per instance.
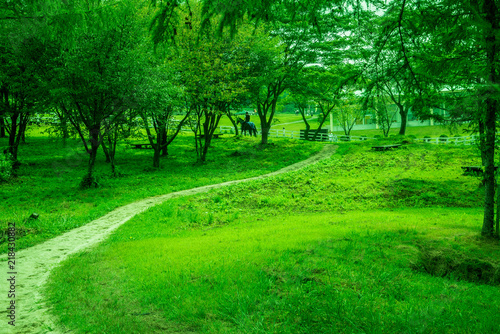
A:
(33, 265)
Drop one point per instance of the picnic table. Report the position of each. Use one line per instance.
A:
(141, 145)
(385, 147)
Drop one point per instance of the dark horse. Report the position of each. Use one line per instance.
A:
(247, 126)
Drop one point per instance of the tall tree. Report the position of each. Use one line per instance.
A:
(455, 44)
(470, 48)
(24, 58)
(348, 110)
(212, 72)
(158, 100)
(98, 75)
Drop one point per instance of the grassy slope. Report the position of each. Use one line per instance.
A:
(331, 248)
(47, 182)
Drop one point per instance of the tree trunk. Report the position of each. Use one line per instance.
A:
(265, 133)
(302, 112)
(497, 218)
(236, 132)
(156, 156)
(489, 166)
(164, 142)
(491, 12)
(106, 152)
(92, 158)
(265, 125)
(12, 137)
(164, 151)
(404, 118)
(89, 180)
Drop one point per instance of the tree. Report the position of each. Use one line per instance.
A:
(383, 115)
(158, 101)
(97, 77)
(348, 110)
(390, 74)
(23, 62)
(455, 44)
(212, 74)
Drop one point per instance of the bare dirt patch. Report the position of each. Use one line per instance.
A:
(33, 265)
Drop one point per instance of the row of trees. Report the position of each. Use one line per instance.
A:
(102, 66)
(94, 65)
(416, 53)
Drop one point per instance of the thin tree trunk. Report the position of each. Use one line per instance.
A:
(12, 137)
(489, 166)
(404, 119)
(106, 152)
(491, 11)
(89, 180)
(235, 125)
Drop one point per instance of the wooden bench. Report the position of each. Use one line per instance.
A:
(141, 145)
(385, 147)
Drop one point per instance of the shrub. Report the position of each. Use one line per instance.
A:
(427, 139)
(443, 138)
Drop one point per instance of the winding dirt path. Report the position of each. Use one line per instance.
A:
(33, 265)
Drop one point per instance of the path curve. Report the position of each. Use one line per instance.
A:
(33, 265)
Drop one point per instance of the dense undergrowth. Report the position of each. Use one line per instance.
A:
(365, 242)
(47, 181)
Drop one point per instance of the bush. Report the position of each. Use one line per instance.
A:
(427, 139)
(443, 138)
(5, 168)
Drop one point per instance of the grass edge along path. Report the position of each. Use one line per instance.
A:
(33, 265)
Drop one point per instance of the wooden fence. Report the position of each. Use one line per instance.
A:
(333, 138)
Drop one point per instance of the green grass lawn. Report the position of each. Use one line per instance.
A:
(375, 242)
